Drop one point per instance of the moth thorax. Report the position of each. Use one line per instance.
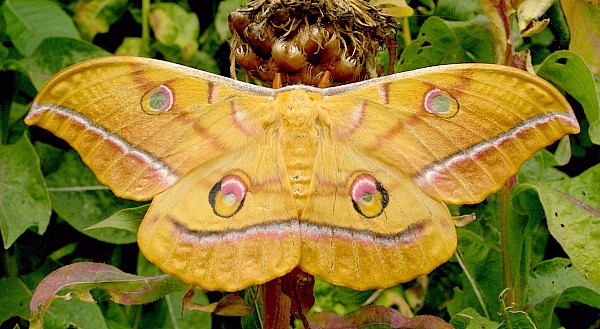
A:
(301, 110)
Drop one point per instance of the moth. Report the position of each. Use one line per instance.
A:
(349, 183)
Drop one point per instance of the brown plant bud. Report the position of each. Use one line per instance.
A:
(267, 71)
(238, 20)
(246, 58)
(312, 75)
(288, 56)
(260, 37)
(309, 38)
(329, 51)
(346, 69)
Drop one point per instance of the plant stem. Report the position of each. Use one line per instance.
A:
(145, 25)
(10, 262)
(512, 294)
(406, 31)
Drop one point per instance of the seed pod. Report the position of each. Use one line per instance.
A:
(267, 71)
(309, 38)
(288, 56)
(238, 20)
(329, 51)
(314, 42)
(345, 69)
(260, 37)
(312, 75)
(246, 58)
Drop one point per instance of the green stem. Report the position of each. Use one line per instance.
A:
(11, 263)
(406, 31)
(473, 284)
(145, 24)
(512, 294)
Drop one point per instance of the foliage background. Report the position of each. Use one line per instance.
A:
(49, 198)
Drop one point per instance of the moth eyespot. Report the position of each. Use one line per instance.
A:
(158, 100)
(369, 197)
(440, 103)
(227, 196)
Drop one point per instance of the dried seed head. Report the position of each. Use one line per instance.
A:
(260, 38)
(315, 42)
(238, 20)
(345, 69)
(288, 56)
(246, 58)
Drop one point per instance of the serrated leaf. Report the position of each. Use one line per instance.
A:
(569, 72)
(96, 16)
(445, 42)
(79, 199)
(572, 210)
(29, 22)
(556, 281)
(54, 54)
(79, 278)
(23, 197)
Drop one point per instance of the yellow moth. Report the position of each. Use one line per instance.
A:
(349, 183)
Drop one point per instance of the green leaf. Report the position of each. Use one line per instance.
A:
(570, 73)
(458, 10)
(23, 197)
(221, 22)
(572, 209)
(584, 18)
(167, 314)
(478, 254)
(470, 319)
(54, 54)
(339, 299)
(125, 219)
(79, 199)
(71, 314)
(556, 281)
(133, 47)
(174, 26)
(96, 16)
(527, 237)
(29, 22)
(541, 168)
(445, 42)
(517, 319)
(14, 299)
